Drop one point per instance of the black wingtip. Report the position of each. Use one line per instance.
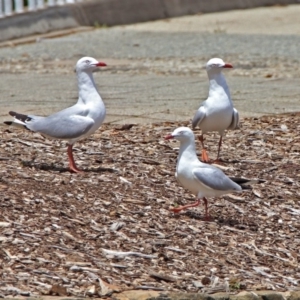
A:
(245, 180)
(245, 183)
(21, 117)
(8, 122)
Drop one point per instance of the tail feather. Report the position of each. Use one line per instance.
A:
(244, 182)
(16, 123)
(19, 120)
(20, 117)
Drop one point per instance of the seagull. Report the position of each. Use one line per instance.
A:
(73, 123)
(203, 180)
(216, 113)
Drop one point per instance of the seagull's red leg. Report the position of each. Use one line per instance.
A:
(204, 155)
(207, 217)
(196, 203)
(180, 208)
(219, 149)
(72, 164)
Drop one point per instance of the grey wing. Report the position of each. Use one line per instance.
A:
(235, 120)
(215, 179)
(199, 116)
(69, 123)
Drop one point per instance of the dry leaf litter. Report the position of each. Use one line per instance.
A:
(109, 229)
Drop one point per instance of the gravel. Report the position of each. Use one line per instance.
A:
(160, 74)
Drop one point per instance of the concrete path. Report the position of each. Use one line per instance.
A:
(156, 70)
(275, 20)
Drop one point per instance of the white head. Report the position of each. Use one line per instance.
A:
(217, 64)
(88, 64)
(182, 134)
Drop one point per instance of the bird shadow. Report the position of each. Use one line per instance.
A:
(238, 224)
(101, 170)
(229, 221)
(43, 166)
(60, 169)
(195, 216)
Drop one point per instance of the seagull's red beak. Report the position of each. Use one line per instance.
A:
(169, 137)
(100, 64)
(228, 66)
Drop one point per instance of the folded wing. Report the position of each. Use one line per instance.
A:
(215, 179)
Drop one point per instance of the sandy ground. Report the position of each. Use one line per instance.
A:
(155, 70)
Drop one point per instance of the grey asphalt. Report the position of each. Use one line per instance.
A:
(154, 75)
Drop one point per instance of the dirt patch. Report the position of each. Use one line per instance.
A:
(55, 226)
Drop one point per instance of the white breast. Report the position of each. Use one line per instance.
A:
(218, 118)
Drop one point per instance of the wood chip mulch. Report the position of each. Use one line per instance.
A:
(110, 228)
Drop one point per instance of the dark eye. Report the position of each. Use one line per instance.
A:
(87, 61)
